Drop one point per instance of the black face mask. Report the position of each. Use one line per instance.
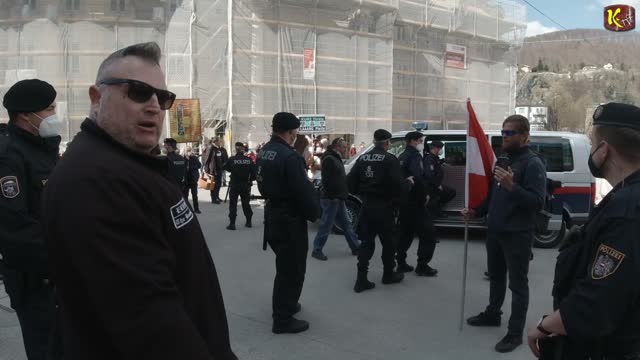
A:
(595, 170)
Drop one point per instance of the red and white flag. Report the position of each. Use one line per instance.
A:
(480, 162)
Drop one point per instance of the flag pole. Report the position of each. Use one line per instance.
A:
(466, 228)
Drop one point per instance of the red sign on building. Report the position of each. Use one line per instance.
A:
(619, 18)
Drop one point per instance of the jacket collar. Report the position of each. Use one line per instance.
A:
(51, 144)
(92, 129)
(331, 152)
(278, 139)
(410, 148)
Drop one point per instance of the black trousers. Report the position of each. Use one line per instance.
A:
(33, 300)
(287, 236)
(416, 221)
(215, 193)
(245, 196)
(509, 253)
(194, 194)
(376, 219)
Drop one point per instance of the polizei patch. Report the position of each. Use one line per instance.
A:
(181, 214)
(607, 262)
(10, 187)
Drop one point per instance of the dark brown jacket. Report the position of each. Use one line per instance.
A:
(134, 275)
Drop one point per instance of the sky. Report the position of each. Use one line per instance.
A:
(572, 14)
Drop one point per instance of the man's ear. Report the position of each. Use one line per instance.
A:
(94, 96)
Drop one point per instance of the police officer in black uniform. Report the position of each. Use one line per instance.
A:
(291, 202)
(596, 289)
(27, 158)
(377, 178)
(242, 171)
(191, 179)
(177, 163)
(414, 219)
(440, 193)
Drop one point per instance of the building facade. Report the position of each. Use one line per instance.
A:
(364, 64)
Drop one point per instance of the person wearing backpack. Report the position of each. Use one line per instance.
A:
(514, 200)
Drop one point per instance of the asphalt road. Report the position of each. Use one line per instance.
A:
(415, 320)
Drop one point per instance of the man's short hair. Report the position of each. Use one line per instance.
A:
(437, 144)
(336, 142)
(625, 140)
(171, 142)
(149, 51)
(521, 122)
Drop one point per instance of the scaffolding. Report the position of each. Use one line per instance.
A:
(378, 63)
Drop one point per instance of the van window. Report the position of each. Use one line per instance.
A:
(454, 151)
(555, 151)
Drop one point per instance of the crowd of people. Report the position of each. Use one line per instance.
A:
(103, 257)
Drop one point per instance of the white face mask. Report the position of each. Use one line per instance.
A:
(50, 126)
(420, 147)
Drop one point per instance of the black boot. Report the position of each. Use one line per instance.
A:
(362, 283)
(425, 270)
(403, 267)
(392, 277)
(232, 224)
(248, 223)
(196, 208)
(292, 326)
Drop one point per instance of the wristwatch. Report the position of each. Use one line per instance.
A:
(541, 328)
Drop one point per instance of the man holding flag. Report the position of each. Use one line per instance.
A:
(511, 203)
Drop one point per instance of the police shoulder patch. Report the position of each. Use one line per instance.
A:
(607, 261)
(10, 187)
(181, 214)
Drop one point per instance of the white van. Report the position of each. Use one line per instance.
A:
(565, 154)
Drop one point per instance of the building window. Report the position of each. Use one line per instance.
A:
(72, 4)
(31, 3)
(118, 5)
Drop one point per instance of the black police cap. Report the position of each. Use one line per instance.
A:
(31, 95)
(414, 135)
(618, 115)
(284, 121)
(437, 143)
(381, 135)
(171, 141)
(239, 144)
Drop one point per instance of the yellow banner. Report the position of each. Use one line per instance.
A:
(184, 120)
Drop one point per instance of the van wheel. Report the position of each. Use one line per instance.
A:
(353, 213)
(550, 239)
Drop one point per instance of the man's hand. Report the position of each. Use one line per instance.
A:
(533, 336)
(504, 177)
(468, 214)
(410, 178)
(426, 200)
(440, 188)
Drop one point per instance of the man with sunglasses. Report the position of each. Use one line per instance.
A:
(28, 155)
(134, 275)
(516, 196)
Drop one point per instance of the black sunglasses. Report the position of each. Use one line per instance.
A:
(141, 92)
(509, 132)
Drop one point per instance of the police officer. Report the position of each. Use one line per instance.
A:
(213, 163)
(596, 289)
(242, 171)
(177, 163)
(515, 198)
(440, 194)
(414, 219)
(291, 202)
(191, 179)
(27, 157)
(377, 178)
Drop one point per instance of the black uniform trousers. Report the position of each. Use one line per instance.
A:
(376, 219)
(215, 192)
(286, 233)
(509, 253)
(194, 194)
(244, 191)
(33, 299)
(415, 220)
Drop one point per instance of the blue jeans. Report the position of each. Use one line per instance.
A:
(334, 210)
